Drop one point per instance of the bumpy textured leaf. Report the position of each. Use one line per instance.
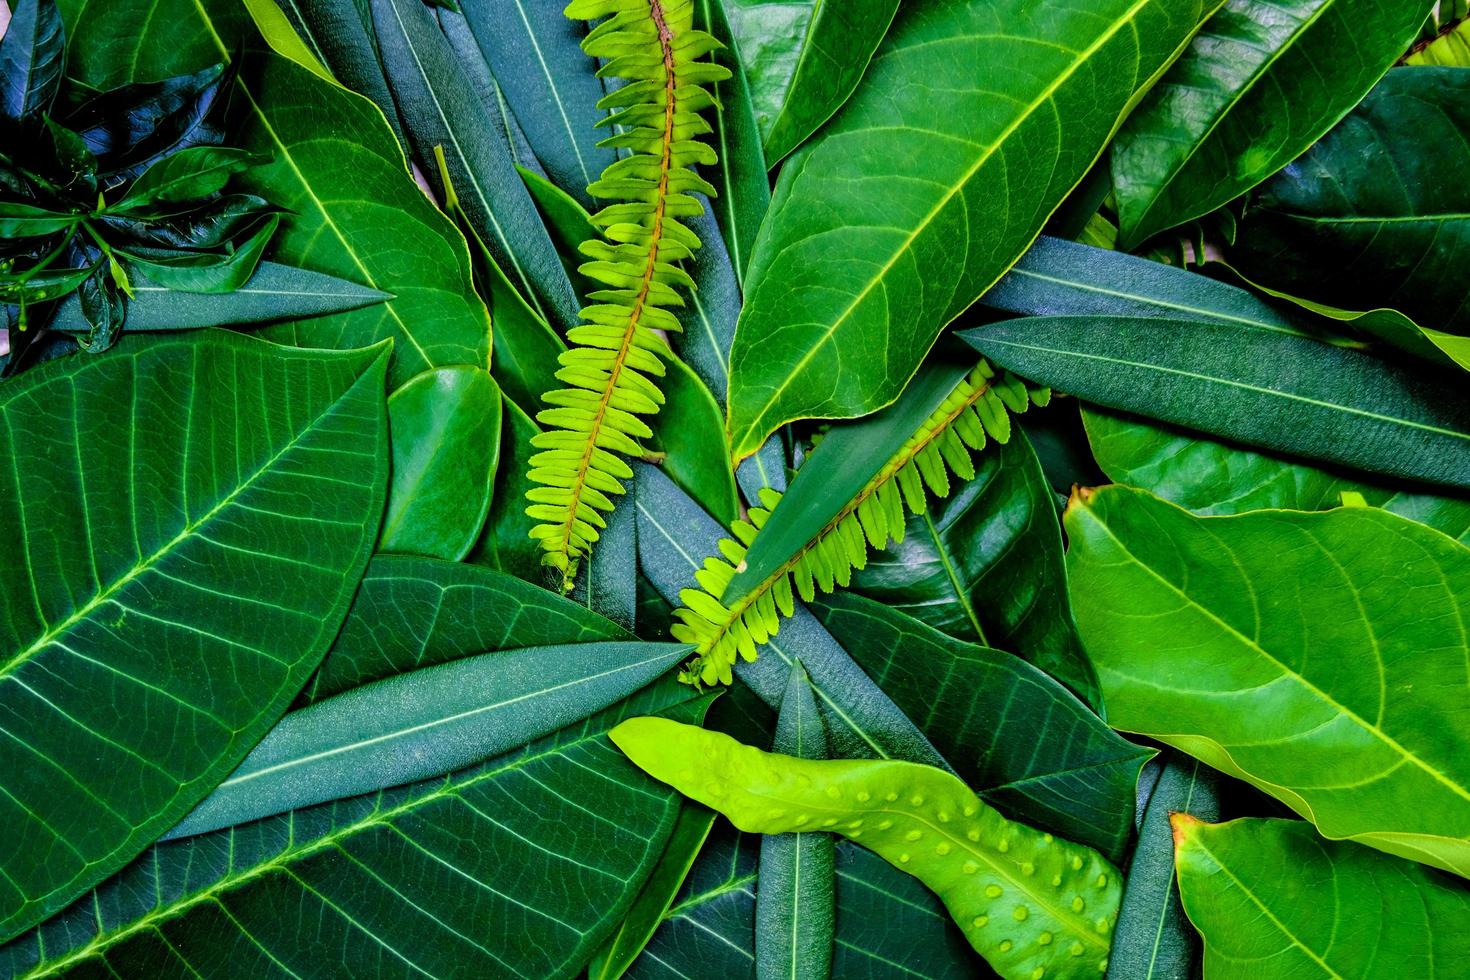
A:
(1377, 214)
(986, 566)
(1211, 477)
(1154, 941)
(860, 265)
(1016, 737)
(445, 428)
(475, 873)
(1273, 899)
(804, 59)
(1319, 656)
(1257, 87)
(1278, 391)
(1053, 903)
(162, 599)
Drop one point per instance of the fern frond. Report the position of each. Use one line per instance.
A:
(618, 349)
(980, 404)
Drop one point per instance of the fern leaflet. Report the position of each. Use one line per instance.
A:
(981, 403)
(618, 348)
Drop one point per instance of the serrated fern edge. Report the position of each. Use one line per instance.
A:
(618, 348)
(981, 403)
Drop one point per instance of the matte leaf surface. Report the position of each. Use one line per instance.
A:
(886, 228)
(164, 598)
(1271, 898)
(1318, 656)
(1256, 87)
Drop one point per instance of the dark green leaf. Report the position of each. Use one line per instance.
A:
(1257, 86)
(1264, 388)
(129, 128)
(164, 606)
(1377, 214)
(609, 585)
(114, 42)
(1019, 739)
(205, 272)
(32, 60)
(187, 175)
(691, 431)
(462, 39)
(860, 264)
(445, 427)
(506, 543)
(21, 220)
(100, 301)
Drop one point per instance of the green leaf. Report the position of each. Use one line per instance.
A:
(275, 292)
(1154, 941)
(439, 108)
(841, 304)
(536, 54)
(692, 435)
(1264, 388)
(804, 60)
(1257, 87)
(985, 566)
(517, 866)
(117, 42)
(1273, 899)
(1377, 214)
(445, 427)
(1451, 48)
(795, 914)
(1281, 648)
(506, 542)
(20, 220)
(1017, 737)
(200, 272)
(1216, 478)
(162, 606)
(187, 175)
(425, 723)
(32, 60)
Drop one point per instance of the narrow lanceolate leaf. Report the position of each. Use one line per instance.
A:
(1272, 899)
(1393, 234)
(1014, 735)
(549, 82)
(1319, 656)
(1264, 388)
(424, 723)
(794, 905)
(1025, 900)
(1257, 87)
(474, 873)
(619, 345)
(1154, 941)
(160, 604)
(859, 265)
(852, 494)
(440, 109)
(32, 60)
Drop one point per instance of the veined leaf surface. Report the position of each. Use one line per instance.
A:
(1320, 657)
(161, 603)
(883, 230)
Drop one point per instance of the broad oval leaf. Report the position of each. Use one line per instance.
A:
(1275, 390)
(108, 41)
(445, 428)
(1320, 657)
(862, 261)
(1271, 898)
(161, 603)
(1258, 86)
(493, 871)
(1377, 214)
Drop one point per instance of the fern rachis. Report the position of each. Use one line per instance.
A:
(619, 347)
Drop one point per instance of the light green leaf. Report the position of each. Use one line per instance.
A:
(1265, 388)
(862, 261)
(1272, 899)
(518, 866)
(1320, 657)
(445, 427)
(1257, 87)
(1451, 48)
(161, 605)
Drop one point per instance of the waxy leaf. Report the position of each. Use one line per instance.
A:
(161, 603)
(859, 264)
(474, 873)
(1272, 899)
(1275, 390)
(32, 60)
(1320, 657)
(1258, 86)
(445, 428)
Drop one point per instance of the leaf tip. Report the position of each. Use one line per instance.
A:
(1183, 824)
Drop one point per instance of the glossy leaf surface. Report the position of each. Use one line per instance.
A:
(1279, 647)
(163, 606)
